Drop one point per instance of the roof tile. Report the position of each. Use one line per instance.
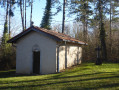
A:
(61, 36)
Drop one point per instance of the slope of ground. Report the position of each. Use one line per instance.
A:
(84, 76)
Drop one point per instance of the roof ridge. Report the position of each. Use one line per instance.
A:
(51, 33)
(54, 32)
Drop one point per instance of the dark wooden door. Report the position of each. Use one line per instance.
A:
(36, 62)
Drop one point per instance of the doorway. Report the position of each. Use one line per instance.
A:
(36, 62)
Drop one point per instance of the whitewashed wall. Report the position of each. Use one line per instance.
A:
(74, 56)
(61, 57)
(24, 54)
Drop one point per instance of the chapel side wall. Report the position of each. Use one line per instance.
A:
(74, 56)
(61, 58)
(80, 51)
(24, 54)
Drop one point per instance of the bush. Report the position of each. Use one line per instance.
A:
(7, 57)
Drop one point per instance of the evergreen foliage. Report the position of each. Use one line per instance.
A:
(83, 11)
(95, 16)
(101, 7)
(46, 20)
(7, 58)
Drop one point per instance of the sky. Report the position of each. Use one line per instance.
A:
(38, 11)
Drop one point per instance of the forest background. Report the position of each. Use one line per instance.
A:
(95, 22)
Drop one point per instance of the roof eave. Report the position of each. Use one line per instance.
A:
(81, 43)
(14, 40)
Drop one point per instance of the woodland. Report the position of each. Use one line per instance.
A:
(96, 22)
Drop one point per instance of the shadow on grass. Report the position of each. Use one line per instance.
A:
(12, 73)
(5, 74)
(105, 85)
(62, 80)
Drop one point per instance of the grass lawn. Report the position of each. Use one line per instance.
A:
(86, 76)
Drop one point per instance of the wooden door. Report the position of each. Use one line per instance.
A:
(36, 62)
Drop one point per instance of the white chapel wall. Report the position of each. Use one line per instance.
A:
(74, 56)
(24, 54)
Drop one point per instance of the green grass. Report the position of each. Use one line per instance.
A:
(85, 77)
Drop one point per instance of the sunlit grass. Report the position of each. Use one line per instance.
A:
(84, 76)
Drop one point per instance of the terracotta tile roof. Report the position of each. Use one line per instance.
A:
(50, 33)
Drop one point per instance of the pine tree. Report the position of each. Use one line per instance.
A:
(5, 37)
(82, 9)
(11, 14)
(5, 32)
(101, 6)
(5, 47)
(46, 20)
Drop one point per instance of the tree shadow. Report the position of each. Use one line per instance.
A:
(61, 78)
(67, 81)
(12, 73)
(93, 88)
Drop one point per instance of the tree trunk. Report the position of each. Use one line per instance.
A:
(31, 13)
(102, 33)
(10, 20)
(25, 14)
(7, 12)
(110, 27)
(9, 25)
(84, 29)
(63, 20)
(6, 20)
(22, 19)
(5, 32)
